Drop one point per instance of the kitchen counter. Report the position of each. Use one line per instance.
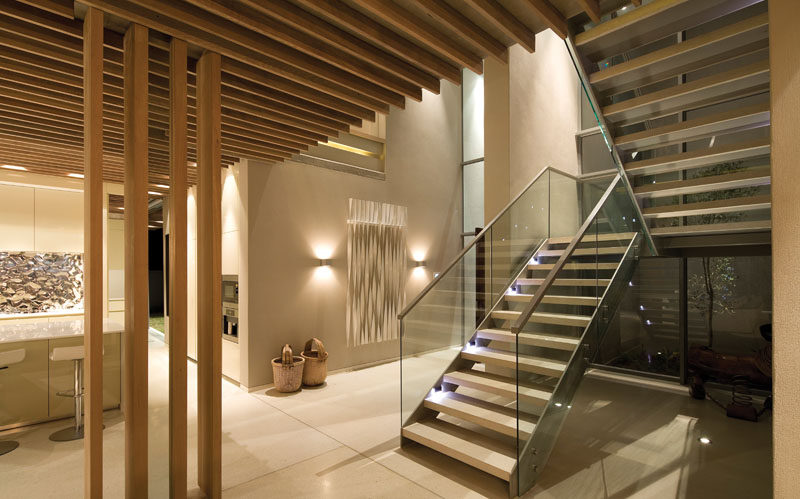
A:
(11, 333)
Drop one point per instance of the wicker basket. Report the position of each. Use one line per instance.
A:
(316, 369)
(287, 371)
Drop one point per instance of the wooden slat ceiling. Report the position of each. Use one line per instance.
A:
(295, 72)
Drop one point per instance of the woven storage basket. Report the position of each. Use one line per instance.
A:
(287, 371)
(316, 369)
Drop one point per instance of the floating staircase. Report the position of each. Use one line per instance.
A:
(519, 368)
(683, 89)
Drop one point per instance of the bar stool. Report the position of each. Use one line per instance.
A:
(75, 354)
(8, 359)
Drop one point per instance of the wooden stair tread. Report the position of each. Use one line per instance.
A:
(709, 207)
(527, 363)
(646, 23)
(537, 281)
(705, 229)
(686, 96)
(574, 266)
(746, 178)
(499, 385)
(492, 416)
(544, 318)
(701, 157)
(613, 250)
(555, 341)
(675, 58)
(587, 301)
(465, 445)
(611, 236)
(705, 126)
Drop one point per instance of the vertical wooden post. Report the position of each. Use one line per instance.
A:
(136, 275)
(177, 269)
(93, 251)
(209, 276)
(784, 62)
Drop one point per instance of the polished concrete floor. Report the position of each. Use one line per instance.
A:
(342, 440)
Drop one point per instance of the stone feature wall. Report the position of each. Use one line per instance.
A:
(40, 282)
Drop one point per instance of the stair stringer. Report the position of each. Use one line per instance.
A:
(534, 454)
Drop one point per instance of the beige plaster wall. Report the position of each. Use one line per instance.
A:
(784, 17)
(297, 213)
(544, 110)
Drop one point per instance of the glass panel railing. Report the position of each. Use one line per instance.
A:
(564, 330)
(442, 319)
(608, 137)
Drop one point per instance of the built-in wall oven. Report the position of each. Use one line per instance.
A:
(230, 307)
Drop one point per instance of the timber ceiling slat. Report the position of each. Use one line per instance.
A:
(424, 33)
(592, 8)
(469, 31)
(295, 72)
(494, 12)
(550, 15)
(299, 19)
(387, 39)
(256, 21)
(252, 49)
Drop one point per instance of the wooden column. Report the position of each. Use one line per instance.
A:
(784, 61)
(177, 269)
(93, 251)
(209, 276)
(136, 275)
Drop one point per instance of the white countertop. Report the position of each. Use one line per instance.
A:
(10, 333)
(53, 313)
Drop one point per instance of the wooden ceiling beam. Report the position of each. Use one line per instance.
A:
(67, 34)
(216, 34)
(378, 34)
(279, 83)
(423, 32)
(592, 8)
(66, 75)
(290, 14)
(254, 20)
(506, 22)
(63, 8)
(282, 112)
(551, 16)
(469, 31)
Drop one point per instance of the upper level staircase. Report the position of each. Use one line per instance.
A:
(682, 89)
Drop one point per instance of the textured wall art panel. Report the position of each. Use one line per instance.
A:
(40, 282)
(376, 268)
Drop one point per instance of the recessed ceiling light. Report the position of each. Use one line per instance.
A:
(704, 440)
(14, 167)
(75, 175)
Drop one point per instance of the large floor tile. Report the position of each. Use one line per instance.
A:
(338, 473)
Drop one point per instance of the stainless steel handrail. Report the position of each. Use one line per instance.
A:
(478, 237)
(551, 276)
(609, 140)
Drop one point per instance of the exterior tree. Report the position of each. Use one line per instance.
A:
(713, 291)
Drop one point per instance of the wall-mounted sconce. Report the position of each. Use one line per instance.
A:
(419, 263)
(324, 262)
